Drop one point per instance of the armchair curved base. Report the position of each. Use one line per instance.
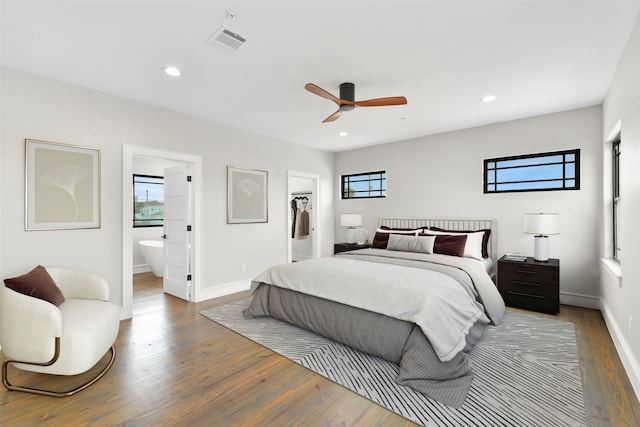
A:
(11, 387)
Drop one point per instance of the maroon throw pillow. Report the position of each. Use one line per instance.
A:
(380, 240)
(448, 244)
(485, 237)
(38, 284)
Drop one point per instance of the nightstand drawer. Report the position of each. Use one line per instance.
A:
(528, 287)
(528, 273)
(346, 247)
(531, 302)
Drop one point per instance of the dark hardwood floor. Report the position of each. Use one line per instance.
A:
(175, 367)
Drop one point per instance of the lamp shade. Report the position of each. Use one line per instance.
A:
(542, 224)
(351, 219)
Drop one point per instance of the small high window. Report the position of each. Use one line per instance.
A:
(364, 185)
(148, 201)
(559, 170)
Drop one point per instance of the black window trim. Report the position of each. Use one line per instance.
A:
(563, 153)
(344, 193)
(133, 183)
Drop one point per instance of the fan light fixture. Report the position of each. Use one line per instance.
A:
(347, 101)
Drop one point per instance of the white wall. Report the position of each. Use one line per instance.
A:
(621, 298)
(440, 176)
(34, 107)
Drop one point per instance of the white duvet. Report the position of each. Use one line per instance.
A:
(440, 305)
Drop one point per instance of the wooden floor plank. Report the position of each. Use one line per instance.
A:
(175, 367)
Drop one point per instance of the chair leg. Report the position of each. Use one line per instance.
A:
(11, 387)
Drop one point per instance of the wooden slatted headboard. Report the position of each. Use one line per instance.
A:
(448, 224)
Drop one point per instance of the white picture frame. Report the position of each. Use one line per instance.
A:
(247, 195)
(62, 186)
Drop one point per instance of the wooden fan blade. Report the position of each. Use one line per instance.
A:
(321, 92)
(379, 102)
(333, 117)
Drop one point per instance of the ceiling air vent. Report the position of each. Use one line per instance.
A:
(228, 39)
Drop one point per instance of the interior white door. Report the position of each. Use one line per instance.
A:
(177, 232)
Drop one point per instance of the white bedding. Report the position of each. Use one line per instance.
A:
(484, 288)
(489, 266)
(427, 298)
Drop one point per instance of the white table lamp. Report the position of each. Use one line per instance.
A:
(351, 221)
(542, 225)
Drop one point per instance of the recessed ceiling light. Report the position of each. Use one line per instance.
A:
(488, 98)
(172, 71)
(343, 133)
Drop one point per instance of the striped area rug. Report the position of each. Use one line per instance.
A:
(526, 371)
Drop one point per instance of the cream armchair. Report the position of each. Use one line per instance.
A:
(69, 339)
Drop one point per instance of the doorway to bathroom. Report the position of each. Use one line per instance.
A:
(181, 213)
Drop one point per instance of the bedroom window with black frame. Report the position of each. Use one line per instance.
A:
(551, 171)
(364, 185)
(616, 201)
(148, 201)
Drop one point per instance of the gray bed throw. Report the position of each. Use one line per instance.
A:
(424, 319)
(396, 341)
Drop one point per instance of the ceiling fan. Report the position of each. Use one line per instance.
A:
(347, 101)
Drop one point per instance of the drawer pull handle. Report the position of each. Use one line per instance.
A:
(518, 282)
(526, 272)
(526, 295)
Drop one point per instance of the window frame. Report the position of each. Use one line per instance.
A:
(134, 182)
(615, 197)
(564, 179)
(345, 180)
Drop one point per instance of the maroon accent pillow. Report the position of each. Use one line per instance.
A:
(38, 284)
(448, 244)
(485, 237)
(380, 240)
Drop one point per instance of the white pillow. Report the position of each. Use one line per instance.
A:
(405, 243)
(473, 246)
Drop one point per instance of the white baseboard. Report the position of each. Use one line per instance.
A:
(628, 360)
(579, 300)
(141, 268)
(222, 290)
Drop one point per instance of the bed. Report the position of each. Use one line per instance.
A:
(393, 299)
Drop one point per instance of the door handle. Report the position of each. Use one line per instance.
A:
(164, 236)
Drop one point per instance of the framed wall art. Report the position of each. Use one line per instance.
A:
(62, 186)
(246, 195)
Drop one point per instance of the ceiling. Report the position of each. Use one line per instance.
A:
(537, 57)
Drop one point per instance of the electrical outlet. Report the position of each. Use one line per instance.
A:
(243, 268)
(630, 325)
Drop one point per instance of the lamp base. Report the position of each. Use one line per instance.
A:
(541, 248)
(351, 235)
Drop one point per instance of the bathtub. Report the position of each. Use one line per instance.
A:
(153, 253)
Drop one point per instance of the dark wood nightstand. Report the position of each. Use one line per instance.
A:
(530, 284)
(346, 247)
